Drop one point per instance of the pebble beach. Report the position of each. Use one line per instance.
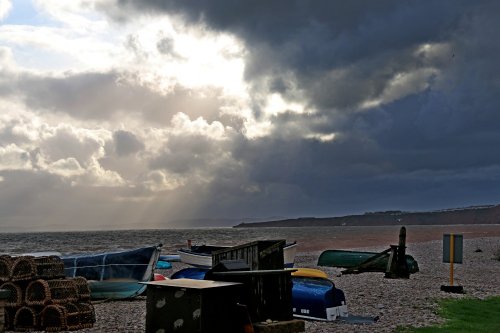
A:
(395, 302)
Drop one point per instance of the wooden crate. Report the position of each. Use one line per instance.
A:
(259, 255)
(266, 293)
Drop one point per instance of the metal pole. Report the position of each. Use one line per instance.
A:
(452, 259)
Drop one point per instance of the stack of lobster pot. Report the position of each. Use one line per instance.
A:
(4, 294)
(41, 298)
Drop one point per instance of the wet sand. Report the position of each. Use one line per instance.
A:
(359, 237)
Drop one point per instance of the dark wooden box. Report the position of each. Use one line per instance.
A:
(267, 293)
(192, 306)
(259, 255)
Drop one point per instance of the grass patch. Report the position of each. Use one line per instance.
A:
(465, 315)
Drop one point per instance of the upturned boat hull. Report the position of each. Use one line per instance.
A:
(318, 299)
(350, 259)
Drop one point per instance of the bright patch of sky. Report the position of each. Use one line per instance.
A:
(54, 36)
(41, 40)
(22, 12)
(73, 37)
(5, 7)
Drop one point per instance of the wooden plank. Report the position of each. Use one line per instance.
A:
(289, 326)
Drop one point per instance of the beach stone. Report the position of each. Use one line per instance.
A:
(411, 302)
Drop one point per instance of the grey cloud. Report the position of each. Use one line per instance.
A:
(434, 147)
(165, 45)
(126, 143)
(49, 203)
(104, 96)
(408, 152)
(189, 155)
(84, 96)
(25, 185)
(64, 143)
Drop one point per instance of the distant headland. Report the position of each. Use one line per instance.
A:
(487, 214)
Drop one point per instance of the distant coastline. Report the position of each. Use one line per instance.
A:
(488, 214)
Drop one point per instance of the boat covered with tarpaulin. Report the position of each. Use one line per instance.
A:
(115, 274)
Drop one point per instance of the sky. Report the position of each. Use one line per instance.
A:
(128, 114)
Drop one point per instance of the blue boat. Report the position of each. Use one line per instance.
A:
(318, 299)
(114, 275)
(194, 273)
(313, 298)
(170, 257)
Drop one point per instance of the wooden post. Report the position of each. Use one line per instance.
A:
(402, 264)
(452, 257)
(397, 267)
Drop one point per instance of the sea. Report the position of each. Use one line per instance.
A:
(309, 239)
(171, 239)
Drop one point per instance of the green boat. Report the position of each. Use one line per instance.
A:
(352, 259)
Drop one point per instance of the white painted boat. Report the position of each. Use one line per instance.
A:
(201, 256)
(289, 252)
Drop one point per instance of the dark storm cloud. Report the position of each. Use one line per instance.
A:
(317, 35)
(340, 53)
(427, 142)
